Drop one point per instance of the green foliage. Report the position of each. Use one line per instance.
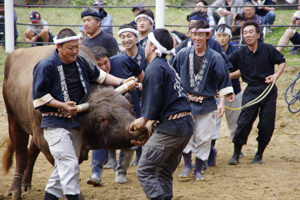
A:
(175, 2)
(82, 3)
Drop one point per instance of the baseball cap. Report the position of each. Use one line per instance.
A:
(98, 3)
(138, 6)
(34, 16)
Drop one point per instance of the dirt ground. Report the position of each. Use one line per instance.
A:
(277, 178)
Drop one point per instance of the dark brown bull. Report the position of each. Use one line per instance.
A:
(106, 124)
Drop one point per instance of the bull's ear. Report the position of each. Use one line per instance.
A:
(128, 97)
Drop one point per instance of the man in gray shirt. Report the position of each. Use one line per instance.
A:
(38, 31)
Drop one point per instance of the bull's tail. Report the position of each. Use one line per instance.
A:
(7, 159)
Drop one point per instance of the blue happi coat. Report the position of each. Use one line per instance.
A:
(213, 76)
(163, 95)
(123, 66)
(139, 57)
(49, 83)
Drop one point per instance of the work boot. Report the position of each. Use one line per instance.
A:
(258, 156)
(125, 158)
(212, 158)
(204, 166)
(197, 171)
(187, 157)
(48, 196)
(98, 158)
(111, 161)
(236, 155)
(138, 153)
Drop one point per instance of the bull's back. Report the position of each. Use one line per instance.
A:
(17, 85)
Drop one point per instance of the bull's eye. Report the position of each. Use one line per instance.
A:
(102, 120)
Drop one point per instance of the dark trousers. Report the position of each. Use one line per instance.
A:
(266, 110)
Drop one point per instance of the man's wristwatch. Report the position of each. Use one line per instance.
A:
(122, 81)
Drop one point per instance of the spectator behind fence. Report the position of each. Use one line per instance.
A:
(226, 12)
(2, 26)
(91, 22)
(144, 21)
(27, 2)
(135, 10)
(38, 31)
(240, 19)
(200, 7)
(267, 13)
(291, 34)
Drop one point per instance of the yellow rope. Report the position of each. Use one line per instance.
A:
(257, 99)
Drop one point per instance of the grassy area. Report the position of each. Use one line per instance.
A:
(121, 16)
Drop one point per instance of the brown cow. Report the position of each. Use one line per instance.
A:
(109, 117)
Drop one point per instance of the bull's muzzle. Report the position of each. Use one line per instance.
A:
(122, 89)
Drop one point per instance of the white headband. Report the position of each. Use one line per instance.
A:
(177, 38)
(135, 32)
(159, 49)
(144, 16)
(226, 31)
(66, 39)
(200, 30)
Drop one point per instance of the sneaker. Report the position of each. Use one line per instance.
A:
(268, 30)
(94, 181)
(120, 178)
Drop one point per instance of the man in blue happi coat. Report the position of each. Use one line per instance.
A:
(203, 72)
(166, 102)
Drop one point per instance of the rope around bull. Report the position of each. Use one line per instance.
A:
(257, 99)
(295, 97)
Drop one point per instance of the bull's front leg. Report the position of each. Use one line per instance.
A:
(33, 153)
(19, 140)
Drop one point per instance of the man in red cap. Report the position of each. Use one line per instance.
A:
(38, 31)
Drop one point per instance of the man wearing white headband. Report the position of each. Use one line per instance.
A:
(59, 83)
(203, 72)
(144, 21)
(130, 39)
(166, 103)
(223, 35)
(213, 44)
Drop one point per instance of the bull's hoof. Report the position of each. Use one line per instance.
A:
(26, 187)
(14, 195)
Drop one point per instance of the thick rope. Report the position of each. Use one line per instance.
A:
(295, 97)
(257, 99)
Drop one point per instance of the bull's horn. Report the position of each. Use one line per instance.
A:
(83, 107)
(125, 87)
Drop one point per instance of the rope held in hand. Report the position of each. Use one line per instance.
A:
(257, 99)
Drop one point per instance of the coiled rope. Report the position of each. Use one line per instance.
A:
(257, 99)
(295, 97)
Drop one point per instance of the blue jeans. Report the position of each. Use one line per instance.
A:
(269, 18)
